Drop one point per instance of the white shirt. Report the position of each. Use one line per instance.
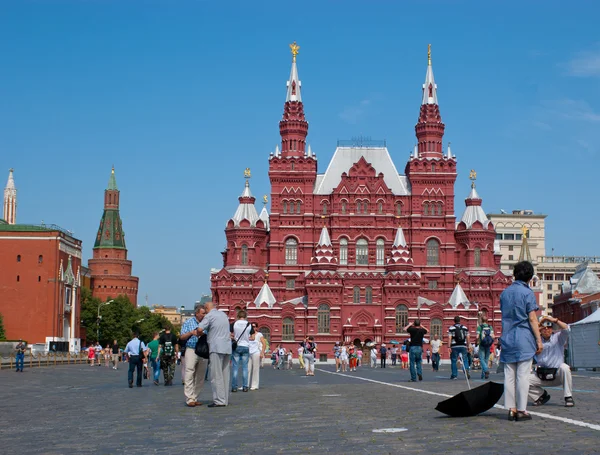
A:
(300, 351)
(435, 346)
(373, 353)
(241, 330)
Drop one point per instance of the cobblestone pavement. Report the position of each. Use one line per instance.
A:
(78, 409)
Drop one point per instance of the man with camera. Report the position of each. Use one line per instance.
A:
(551, 369)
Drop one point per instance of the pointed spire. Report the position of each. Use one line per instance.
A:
(525, 254)
(277, 152)
(474, 212)
(293, 127)
(324, 259)
(265, 296)
(429, 128)
(449, 154)
(429, 87)
(246, 210)
(112, 181)
(416, 151)
(459, 297)
(399, 258)
(309, 153)
(9, 213)
(294, 84)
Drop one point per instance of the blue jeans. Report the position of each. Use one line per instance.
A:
(484, 359)
(241, 353)
(435, 361)
(454, 357)
(155, 364)
(135, 364)
(20, 358)
(415, 356)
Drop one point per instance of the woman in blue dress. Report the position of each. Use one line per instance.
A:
(520, 340)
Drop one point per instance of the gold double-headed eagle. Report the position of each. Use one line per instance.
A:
(294, 48)
(247, 173)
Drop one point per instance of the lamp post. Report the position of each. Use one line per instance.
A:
(98, 319)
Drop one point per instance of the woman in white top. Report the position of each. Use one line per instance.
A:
(256, 346)
(344, 357)
(241, 333)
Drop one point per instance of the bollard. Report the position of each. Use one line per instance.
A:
(11, 361)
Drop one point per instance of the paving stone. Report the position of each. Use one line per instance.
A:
(85, 410)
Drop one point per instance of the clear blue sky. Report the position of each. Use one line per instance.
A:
(182, 96)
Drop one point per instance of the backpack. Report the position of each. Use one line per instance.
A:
(459, 335)
(169, 348)
(486, 339)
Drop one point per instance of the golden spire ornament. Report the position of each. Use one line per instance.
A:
(294, 48)
(473, 177)
(247, 173)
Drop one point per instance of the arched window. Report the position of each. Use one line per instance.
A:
(266, 333)
(343, 207)
(477, 254)
(325, 208)
(40, 259)
(287, 333)
(436, 327)
(432, 166)
(439, 208)
(369, 295)
(343, 251)
(244, 254)
(426, 208)
(380, 207)
(356, 298)
(365, 207)
(362, 252)
(433, 252)
(323, 319)
(18, 258)
(298, 207)
(380, 252)
(398, 209)
(358, 205)
(292, 207)
(284, 206)
(291, 252)
(401, 318)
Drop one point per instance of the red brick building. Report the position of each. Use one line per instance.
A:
(39, 283)
(110, 268)
(579, 297)
(358, 251)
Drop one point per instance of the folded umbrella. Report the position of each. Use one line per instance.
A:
(473, 401)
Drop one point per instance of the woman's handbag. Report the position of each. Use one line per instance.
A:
(546, 374)
(201, 349)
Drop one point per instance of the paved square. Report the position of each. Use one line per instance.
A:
(80, 409)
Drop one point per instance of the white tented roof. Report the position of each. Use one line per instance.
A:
(345, 157)
(265, 296)
(594, 317)
(458, 297)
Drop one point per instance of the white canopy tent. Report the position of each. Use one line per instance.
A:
(584, 342)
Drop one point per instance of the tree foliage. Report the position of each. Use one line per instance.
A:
(118, 320)
(2, 332)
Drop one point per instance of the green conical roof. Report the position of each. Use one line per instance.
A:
(110, 234)
(112, 182)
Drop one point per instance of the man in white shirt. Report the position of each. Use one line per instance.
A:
(436, 344)
(241, 330)
(136, 349)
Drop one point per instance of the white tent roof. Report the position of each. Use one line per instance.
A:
(594, 317)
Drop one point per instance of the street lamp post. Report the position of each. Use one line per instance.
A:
(98, 319)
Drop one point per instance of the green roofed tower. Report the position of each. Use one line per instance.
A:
(111, 270)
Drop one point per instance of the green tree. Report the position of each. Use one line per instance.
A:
(2, 332)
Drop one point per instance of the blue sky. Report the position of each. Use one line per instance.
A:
(182, 96)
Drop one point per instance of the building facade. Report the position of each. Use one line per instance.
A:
(110, 269)
(40, 277)
(171, 313)
(579, 296)
(9, 206)
(359, 251)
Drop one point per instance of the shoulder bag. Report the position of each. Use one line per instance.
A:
(235, 342)
(201, 349)
(546, 374)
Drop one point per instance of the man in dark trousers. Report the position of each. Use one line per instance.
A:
(136, 349)
(167, 353)
(383, 354)
(415, 354)
(20, 357)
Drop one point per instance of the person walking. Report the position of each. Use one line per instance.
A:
(310, 350)
(301, 357)
(383, 353)
(193, 367)
(167, 354)
(373, 357)
(458, 340)
(20, 355)
(107, 355)
(154, 359)
(521, 340)
(216, 325)
(428, 355)
(256, 348)
(485, 340)
(136, 349)
(115, 354)
(417, 332)
(241, 331)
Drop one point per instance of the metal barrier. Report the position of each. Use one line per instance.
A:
(44, 359)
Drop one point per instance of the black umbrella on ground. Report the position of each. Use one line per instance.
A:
(473, 401)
